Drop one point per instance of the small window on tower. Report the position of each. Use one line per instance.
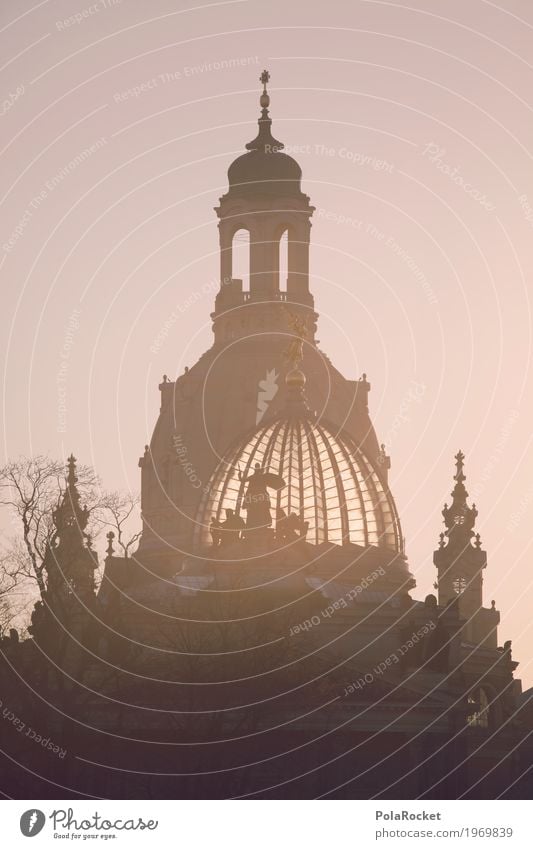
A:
(459, 585)
(459, 520)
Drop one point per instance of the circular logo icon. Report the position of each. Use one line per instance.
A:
(32, 822)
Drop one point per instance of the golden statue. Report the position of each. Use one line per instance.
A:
(295, 352)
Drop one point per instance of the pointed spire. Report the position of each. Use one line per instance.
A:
(264, 141)
(71, 477)
(459, 465)
(459, 518)
(69, 518)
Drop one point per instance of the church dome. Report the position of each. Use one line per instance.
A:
(265, 172)
(265, 169)
(328, 482)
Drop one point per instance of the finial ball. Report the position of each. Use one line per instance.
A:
(295, 378)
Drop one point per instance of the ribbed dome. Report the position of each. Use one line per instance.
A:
(261, 172)
(328, 483)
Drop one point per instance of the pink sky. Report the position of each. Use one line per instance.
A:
(413, 127)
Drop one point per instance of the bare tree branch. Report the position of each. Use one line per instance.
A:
(117, 511)
(32, 489)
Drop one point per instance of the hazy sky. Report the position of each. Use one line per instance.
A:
(413, 126)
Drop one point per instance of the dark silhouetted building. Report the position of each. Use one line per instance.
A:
(264, 639)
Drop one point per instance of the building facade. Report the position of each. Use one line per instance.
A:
(264, 640)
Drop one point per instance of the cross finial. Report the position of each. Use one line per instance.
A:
(71, 477)
(264, 140)
(459, 461)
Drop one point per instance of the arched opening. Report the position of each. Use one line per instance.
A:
(240, 249)
(278, 251)
(283, 265)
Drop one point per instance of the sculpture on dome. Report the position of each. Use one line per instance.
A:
(215, 531)
(290, 528)
(256, 500)
(295, 352)
(231, 530)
